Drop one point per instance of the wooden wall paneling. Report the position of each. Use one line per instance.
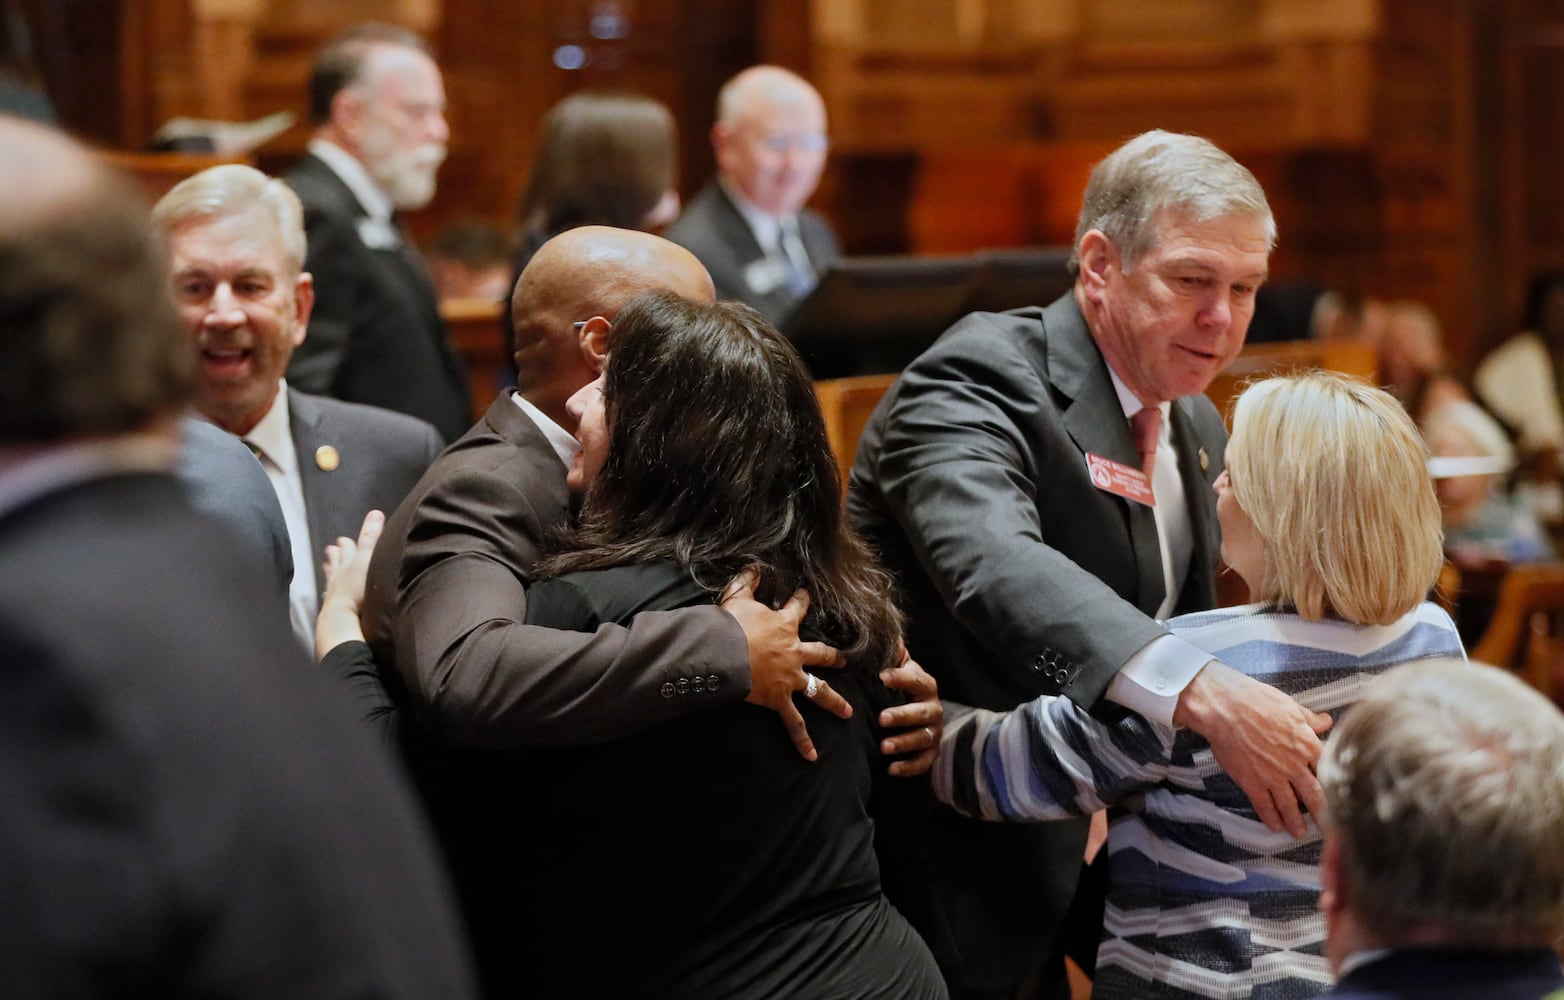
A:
(715, 40)
(90, 56)
(1327, 207)
(867, 195)
(1528, 109)
(507, 78)
(1422, 147)
(968, 198)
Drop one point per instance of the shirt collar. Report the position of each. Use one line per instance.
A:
(766, 227)
(562, 441)
(351, 171)
(1359, 959)
(1132, 404)
(274, 433)
(61, 466)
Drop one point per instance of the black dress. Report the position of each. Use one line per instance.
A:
(704, 858)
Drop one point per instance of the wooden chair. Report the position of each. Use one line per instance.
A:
(846, 404)
(475, 334)
(1527, 630)
(1447, 591)
(1260, 360)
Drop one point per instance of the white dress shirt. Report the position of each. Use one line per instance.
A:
(562, 441)
(272, 441)
(779, 238)
(351, 171)
(1151, 681)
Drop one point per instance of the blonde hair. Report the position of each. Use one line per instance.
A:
(1334, 477)
(235, 189)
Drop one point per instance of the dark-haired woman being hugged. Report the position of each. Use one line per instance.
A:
(706, 858)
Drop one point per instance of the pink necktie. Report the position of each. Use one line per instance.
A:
(1147, 424)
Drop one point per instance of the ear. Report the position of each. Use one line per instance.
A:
(1098, 258)
(303, 304)
(1330, 879)
(347, 112)
(593, 342)
(721, 144)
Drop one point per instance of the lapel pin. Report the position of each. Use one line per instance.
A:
(1205, 461)
(327, 459)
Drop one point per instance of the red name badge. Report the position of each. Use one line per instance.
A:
(1120, 479)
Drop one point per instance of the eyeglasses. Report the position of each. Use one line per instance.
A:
(803, 142)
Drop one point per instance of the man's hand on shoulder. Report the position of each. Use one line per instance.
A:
(777, 658)
(922, 718)
(1264, 740)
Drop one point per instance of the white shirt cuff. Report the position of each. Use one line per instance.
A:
(1150, 682)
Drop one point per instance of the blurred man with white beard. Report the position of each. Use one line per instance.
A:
(378, 105)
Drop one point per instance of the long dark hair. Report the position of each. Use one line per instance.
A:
(604, 158)
(717, 459)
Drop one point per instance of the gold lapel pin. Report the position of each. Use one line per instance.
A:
(1205, 461)
(327, 459)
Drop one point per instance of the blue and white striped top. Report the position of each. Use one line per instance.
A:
(1203, 900)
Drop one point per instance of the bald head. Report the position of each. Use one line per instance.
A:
(88, 342)
(770, 138)
(587, 275)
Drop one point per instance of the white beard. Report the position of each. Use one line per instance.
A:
(407, 176)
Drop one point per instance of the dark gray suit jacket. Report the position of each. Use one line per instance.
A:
(1020, 578)
(1449, 973)
(445, 608)
(227, 483)
(190, 809)
(712, 229)
(379, 456)
(375, 335)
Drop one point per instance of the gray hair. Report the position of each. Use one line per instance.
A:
(343, 62)
(235, 189)
(761, 83)
(1158, 172)
(1445, 792)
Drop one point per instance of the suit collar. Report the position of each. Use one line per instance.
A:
(355, 177)
(63, 466)
(506, 419)
(1405, 967)
(735, 231)
(1093, 416)
(1094, 419)
(273, 433)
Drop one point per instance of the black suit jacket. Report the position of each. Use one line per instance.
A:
(375, 458)
(445, 611)
(190, 810)
(705, 856)
(1020, 578)
(375, 335)
(712, 229)
(1452, 974)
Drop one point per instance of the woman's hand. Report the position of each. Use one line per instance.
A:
(346, 565)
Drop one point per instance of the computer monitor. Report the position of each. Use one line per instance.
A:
(870, 315)
(1019, 277)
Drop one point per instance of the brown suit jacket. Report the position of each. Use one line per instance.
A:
(445, 610)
